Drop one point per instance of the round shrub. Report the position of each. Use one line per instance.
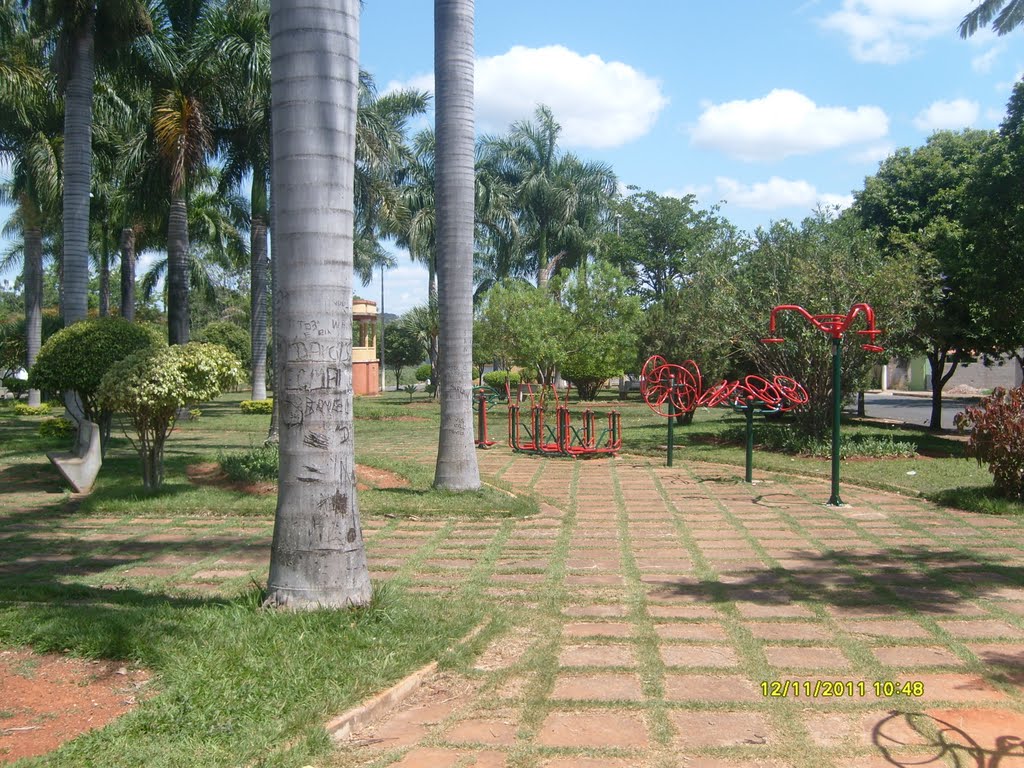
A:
(257, 406)
(233, 337)
(496, 380)
(79, 356)
(152, 386)
(57, 427)
(16, 385)
(423, 372)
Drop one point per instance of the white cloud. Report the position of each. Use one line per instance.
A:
(598, 103)
(785, 123)
(875, 153)
(982, 64)
(777, 193)
(954, 114)
(1006, 87)
(700, 191)
(890, 31)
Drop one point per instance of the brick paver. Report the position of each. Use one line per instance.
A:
(669, 617)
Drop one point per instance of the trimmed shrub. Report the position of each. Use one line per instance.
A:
(24, 409)
(496, 380)
(16, 385)
(152, 386)
(257, 406)
(57, 427)
(233, 337)
(78, 357)
(996, 428)
(423, 372)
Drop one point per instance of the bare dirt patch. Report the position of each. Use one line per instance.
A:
(49, 699)
(210, 473)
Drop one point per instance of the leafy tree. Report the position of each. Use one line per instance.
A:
(318, 557)
(522, 325)
(600, 338)
(825, 265)
(77, 358)
(403, 347)
(918, 207)
(682, 263)
(150, 387)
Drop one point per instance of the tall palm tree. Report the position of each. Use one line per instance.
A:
(456, 467)
(318, 558)
(560, 199)
(1005, 16)
(83, 29)
(236, 44)
(30, 138)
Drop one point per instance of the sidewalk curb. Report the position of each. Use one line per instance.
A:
(341, 727)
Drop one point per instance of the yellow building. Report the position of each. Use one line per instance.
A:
(365, 366)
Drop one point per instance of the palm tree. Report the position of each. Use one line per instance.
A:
(1005, 16)
(236, 43)
(560, 199)
(83, 28)
(318, 558)
(456, 468)
(30, 138)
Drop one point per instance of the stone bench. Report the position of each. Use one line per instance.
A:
(81, 465)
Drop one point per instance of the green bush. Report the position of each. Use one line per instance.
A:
(78, 357)
(152, 386)
(423, 372)
(256, 464)
(57, 427)
(233, 337)
(496, 380)
(782, 438)
(16, 385)
(996, 427)
(24, 409)
(257, 406)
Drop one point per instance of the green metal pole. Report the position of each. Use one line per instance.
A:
(671, 417)
(749, 412)
(837, 406)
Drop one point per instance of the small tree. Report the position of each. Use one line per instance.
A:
(150, 387)
(601, 334)
(402, 347)
(523, 325)
(76, 358)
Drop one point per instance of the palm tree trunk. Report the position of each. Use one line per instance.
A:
(177, 271)
(258, 286)
(78, 172)
(104, 304)
(456, 467)
(318, 558)
(33, 301)
(128, 273)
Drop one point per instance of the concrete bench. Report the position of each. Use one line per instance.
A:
(81, 465)
(627, 384)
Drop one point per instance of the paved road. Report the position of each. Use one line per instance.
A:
(911, 409)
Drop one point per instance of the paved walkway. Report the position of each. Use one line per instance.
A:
(669, 618)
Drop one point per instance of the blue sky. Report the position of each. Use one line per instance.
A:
(766, 108)
(771, 107)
